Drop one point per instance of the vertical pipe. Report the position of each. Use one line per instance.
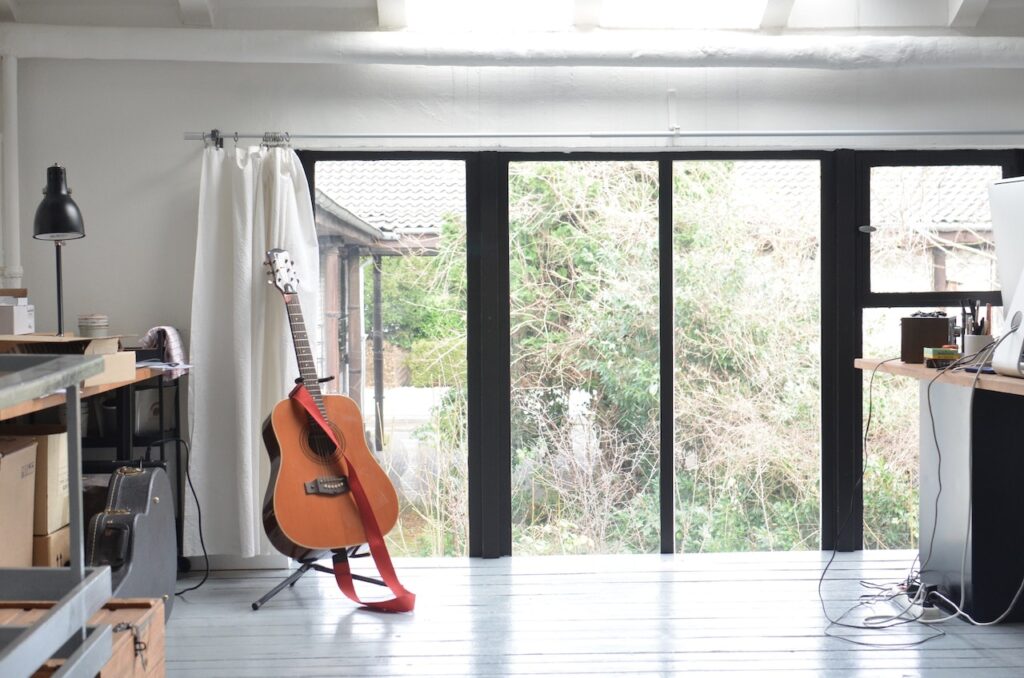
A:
(356, 339)
(378, 356)
(332, 319)
(74, 425)
(343, 323)
(12, 270)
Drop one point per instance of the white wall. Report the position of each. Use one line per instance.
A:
(118, 126)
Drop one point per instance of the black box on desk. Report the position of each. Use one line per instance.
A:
(917, 333)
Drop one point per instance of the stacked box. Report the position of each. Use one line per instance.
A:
(17, 316)
(51, 514)
(17, 492)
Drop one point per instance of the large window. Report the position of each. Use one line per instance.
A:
(930, 245)
(747, 343)
(393, 242)
(583, 266)
(510, 324)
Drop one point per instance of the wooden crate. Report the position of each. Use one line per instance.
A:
(145, 614)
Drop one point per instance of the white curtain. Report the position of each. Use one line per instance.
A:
(250, 200)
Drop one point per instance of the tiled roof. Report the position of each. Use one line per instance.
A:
(416, 196)
(781, 191)
(944, 198)
(399, 196)
(947, 197)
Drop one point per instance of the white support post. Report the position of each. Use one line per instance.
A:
(966, 13)
(196, 13)
(8, 10)
(587, 13)
(776, 14)
(391, 14)
(12, 270)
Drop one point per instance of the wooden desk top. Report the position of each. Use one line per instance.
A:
(987, 382)
(27, 407)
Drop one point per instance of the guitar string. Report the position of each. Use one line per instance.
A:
(318, 441)
(301, 345)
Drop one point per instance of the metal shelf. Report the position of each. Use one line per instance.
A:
(78, 592)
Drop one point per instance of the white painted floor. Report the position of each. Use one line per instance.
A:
(720, 614)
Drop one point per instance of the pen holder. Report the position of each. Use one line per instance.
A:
(976, 344)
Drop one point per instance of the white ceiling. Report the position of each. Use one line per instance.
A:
(974, 17)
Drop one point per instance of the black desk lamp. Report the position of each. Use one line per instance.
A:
(58, 219)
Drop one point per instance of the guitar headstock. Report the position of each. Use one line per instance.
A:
(281, 272)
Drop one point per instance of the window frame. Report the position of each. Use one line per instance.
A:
(845, 293)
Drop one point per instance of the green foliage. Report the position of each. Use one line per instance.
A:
(423, 297)
(585, 369)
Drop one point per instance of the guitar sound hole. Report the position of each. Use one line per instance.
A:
(317, 445)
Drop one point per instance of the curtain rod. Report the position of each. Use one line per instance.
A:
(277, 138)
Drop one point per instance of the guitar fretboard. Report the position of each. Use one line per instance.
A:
(303, 354)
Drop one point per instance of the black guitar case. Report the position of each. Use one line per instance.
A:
(135, 535)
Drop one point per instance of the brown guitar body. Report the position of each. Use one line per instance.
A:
(300, 524)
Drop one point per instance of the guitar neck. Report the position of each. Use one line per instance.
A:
(303, 354)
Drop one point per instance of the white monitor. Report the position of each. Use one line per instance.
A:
(1006, 199)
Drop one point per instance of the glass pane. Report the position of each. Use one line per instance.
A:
(891, 454)
(410, 214)
(934, 230)
(747, 401)
(584, 350)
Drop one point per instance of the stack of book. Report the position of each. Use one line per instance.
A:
(941, 356)
(17, 316)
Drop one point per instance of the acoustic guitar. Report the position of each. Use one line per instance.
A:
(308, 507)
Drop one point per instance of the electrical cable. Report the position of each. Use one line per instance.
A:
(883, 621)
(958, 610)
(195, 497)
(872, 622)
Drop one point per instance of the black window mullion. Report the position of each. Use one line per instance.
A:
(489, 375)
(666, 482)
(842, 279)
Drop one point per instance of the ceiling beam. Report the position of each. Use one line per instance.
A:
(776, 14)
(587, 13)
(966, 13)
(196, 13)
(8, 10)
(391, 14)
(604, 49)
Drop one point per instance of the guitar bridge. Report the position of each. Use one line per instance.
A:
(327, 486)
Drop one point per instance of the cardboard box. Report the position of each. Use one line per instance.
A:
(51, 343)
(145, 617)
(52, 550)
(51, 493)
(51, 509)
(17, 319)
(17, 492)
(117, 367)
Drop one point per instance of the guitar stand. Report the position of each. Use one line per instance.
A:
(312, 564)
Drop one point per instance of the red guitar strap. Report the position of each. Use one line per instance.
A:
(404, 600)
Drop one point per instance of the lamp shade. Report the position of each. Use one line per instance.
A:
(58, 217)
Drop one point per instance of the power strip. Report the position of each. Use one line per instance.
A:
(917, 611)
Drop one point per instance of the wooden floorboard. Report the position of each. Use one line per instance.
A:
(702, 614)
